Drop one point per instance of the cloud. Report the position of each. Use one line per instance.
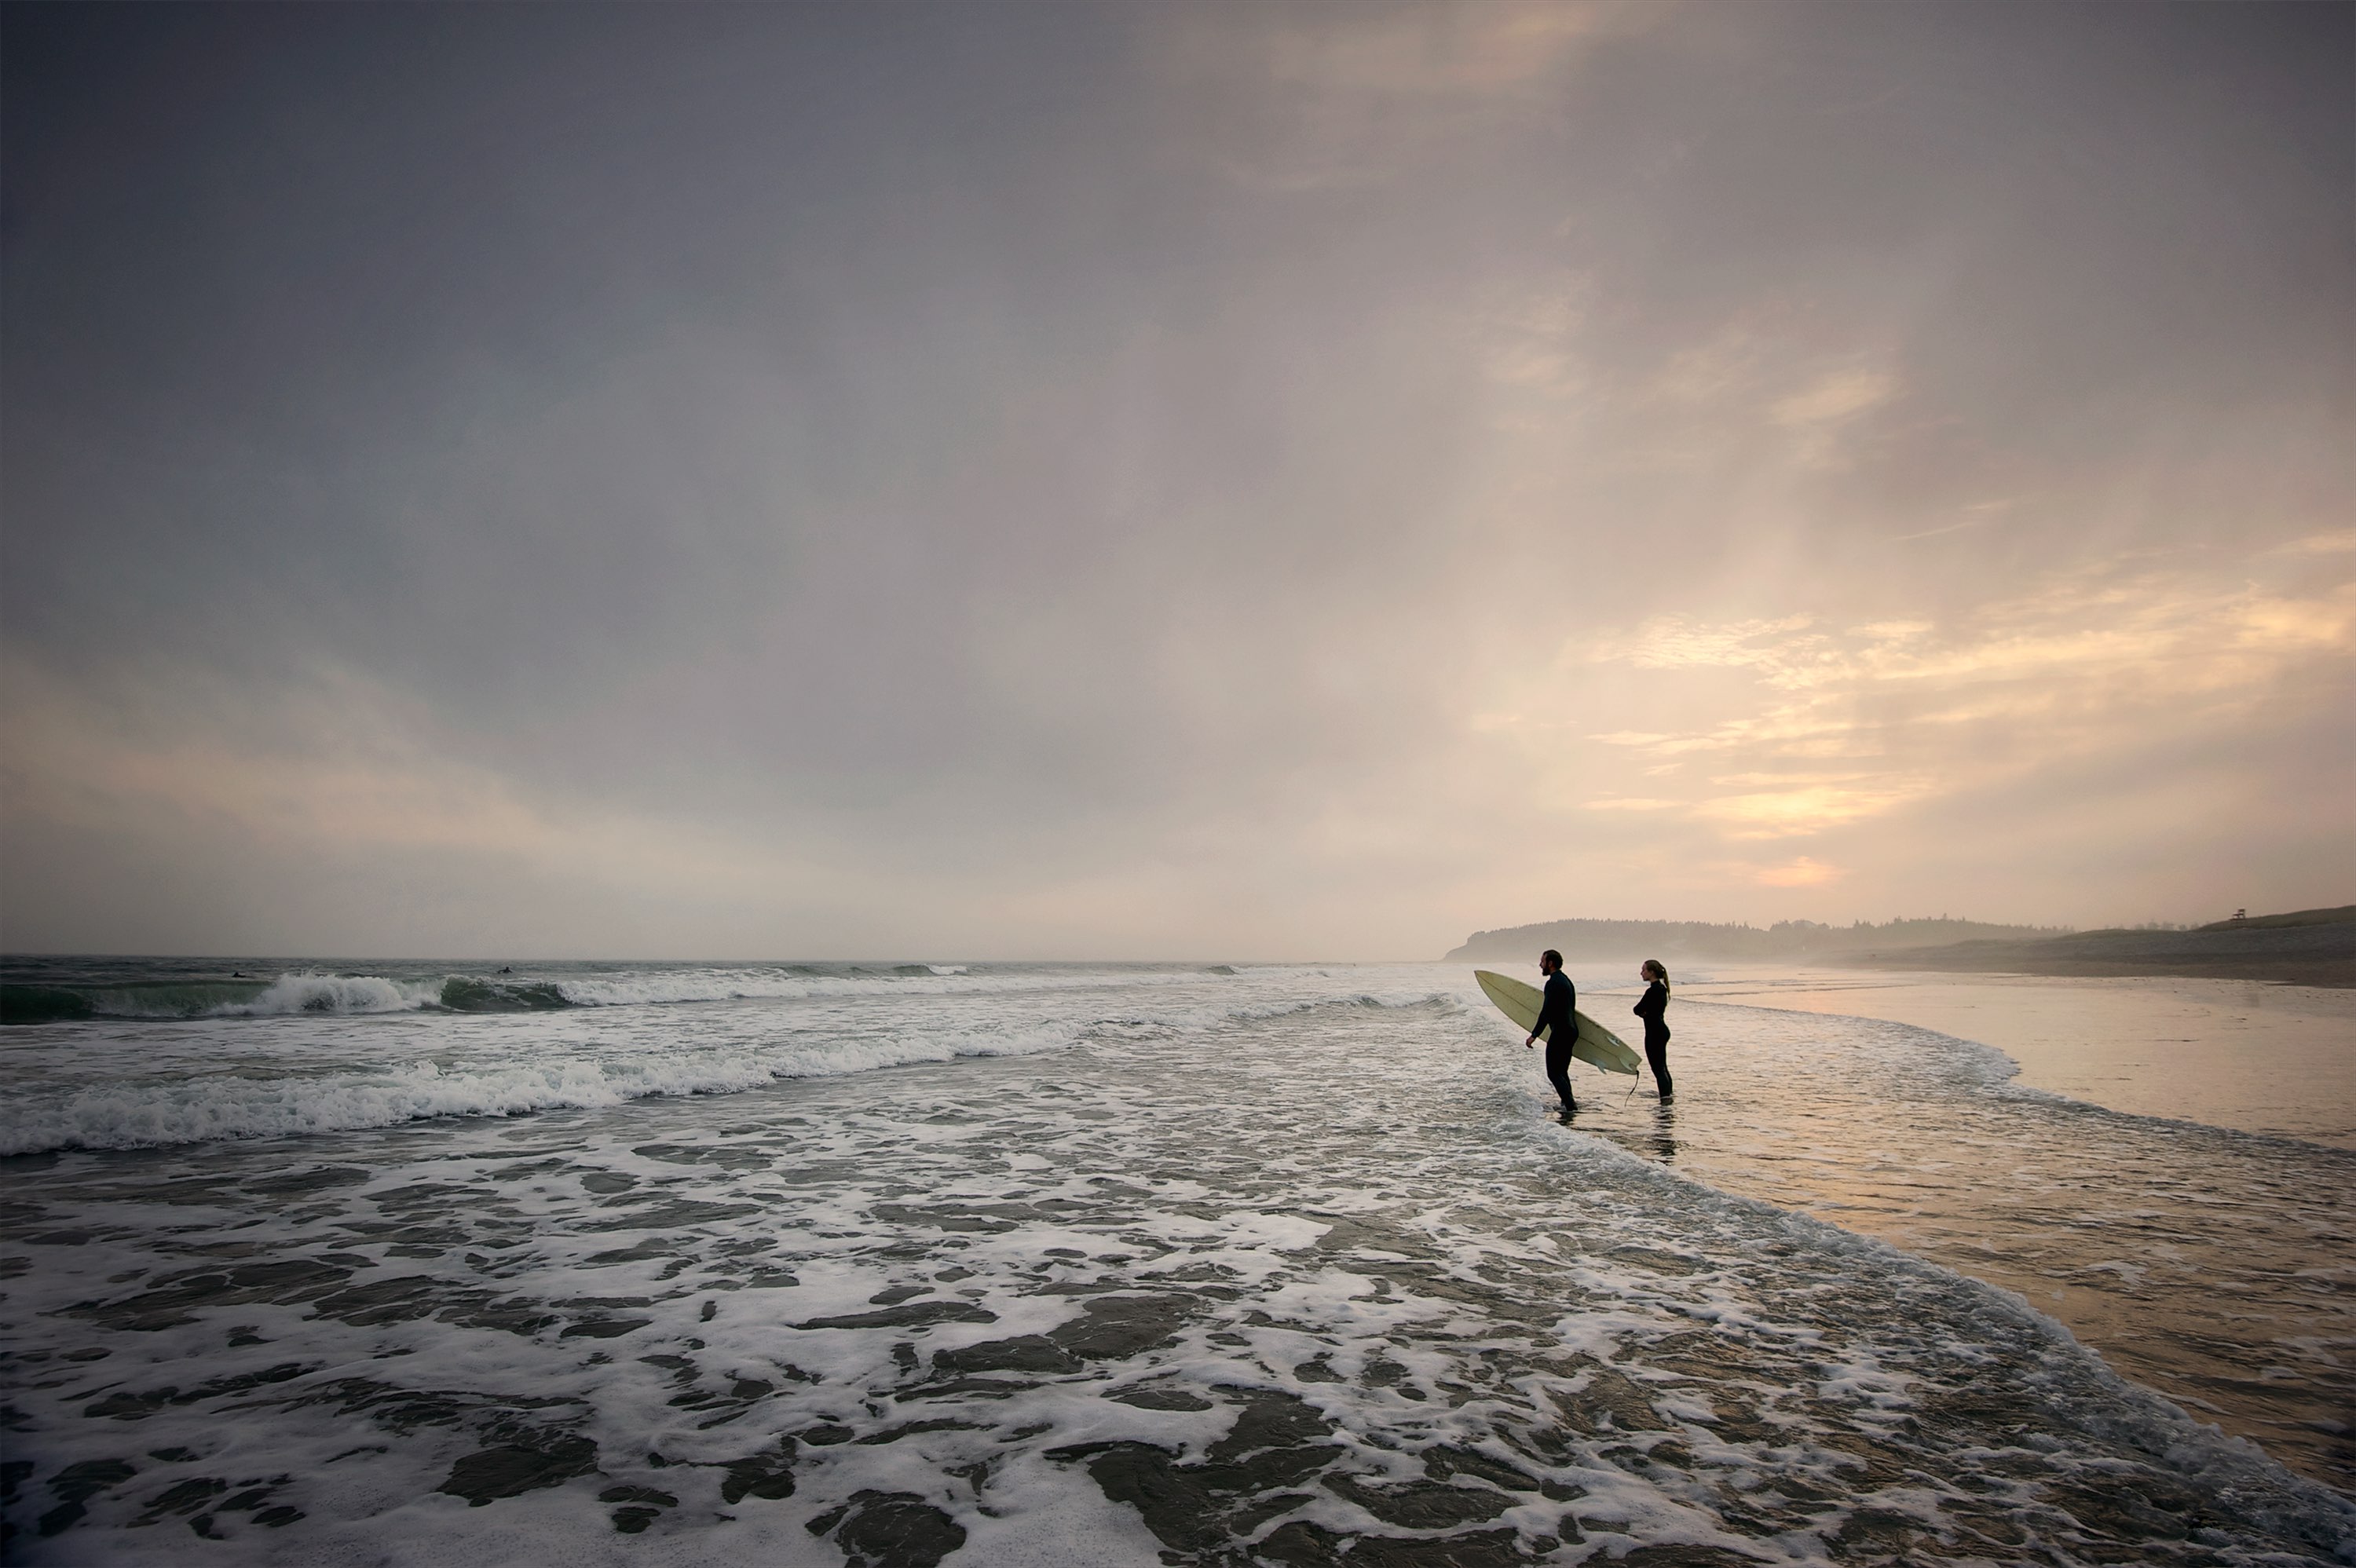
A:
(1427, 51)
(2319, 544)
(2081, 661)
(1280, 479)
(1819, 415)
(1802, 872)
(1707, 372)
(1767, 368)
(1343, 97)
(1674, 642)
(1808, 809)
(1835, 399)
(338, 770)
(1978, 515)
(1531, 344)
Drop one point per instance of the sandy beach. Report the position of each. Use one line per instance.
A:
(2249, 1055)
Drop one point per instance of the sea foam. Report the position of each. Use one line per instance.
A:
(317, 1053)
(204, 1109)
(1316, 1285)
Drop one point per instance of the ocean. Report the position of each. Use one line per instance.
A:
(998, 1264)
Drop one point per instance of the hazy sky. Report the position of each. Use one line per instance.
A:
(1191, 480)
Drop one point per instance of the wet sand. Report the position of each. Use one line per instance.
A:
(2248, 1055)
(2209, 1265)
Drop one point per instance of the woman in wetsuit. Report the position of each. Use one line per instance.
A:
(1653, 1007)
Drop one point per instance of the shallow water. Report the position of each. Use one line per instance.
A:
(2213, 1265)
(1283, 1265)
(2251, 1055)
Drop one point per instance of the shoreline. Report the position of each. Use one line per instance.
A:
(2246, 1055)
(2191, 1275)
(2323, 973)
(2327, 972)
(2304, 947)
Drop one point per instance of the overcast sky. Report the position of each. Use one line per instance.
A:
(1141, 480)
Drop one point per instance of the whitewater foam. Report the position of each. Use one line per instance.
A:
(162, 1091)
(202, 1110)
(36, 998)
(1318, 1269)
(310, 992)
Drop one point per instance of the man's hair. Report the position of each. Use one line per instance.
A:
(1550, 955)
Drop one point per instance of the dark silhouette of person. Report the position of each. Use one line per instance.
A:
(1653, 1007)
(1557, 1010)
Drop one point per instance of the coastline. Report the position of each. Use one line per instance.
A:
(2308, 947)
(1132, 1214)
(1136, 1289)
(2161, 1191)
(2246, 1055)
(2314, 947)
(2324, 972)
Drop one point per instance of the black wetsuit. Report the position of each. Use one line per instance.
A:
(1653, 1007)
(1561, 998)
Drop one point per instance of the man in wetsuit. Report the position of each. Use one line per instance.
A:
(1557, 1008)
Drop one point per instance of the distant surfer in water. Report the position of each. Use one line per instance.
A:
(1559, 1010)
(1653, 1007)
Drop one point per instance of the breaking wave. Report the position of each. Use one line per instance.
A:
(210, 1109)
(311, 991)
(208, 1106)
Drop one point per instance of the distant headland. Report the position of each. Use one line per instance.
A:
(2304, 947)
(1666, 939)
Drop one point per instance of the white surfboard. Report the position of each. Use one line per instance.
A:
(1520, 1001)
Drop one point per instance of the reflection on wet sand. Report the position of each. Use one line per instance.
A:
(2210, 1264)
(2246, 1054)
